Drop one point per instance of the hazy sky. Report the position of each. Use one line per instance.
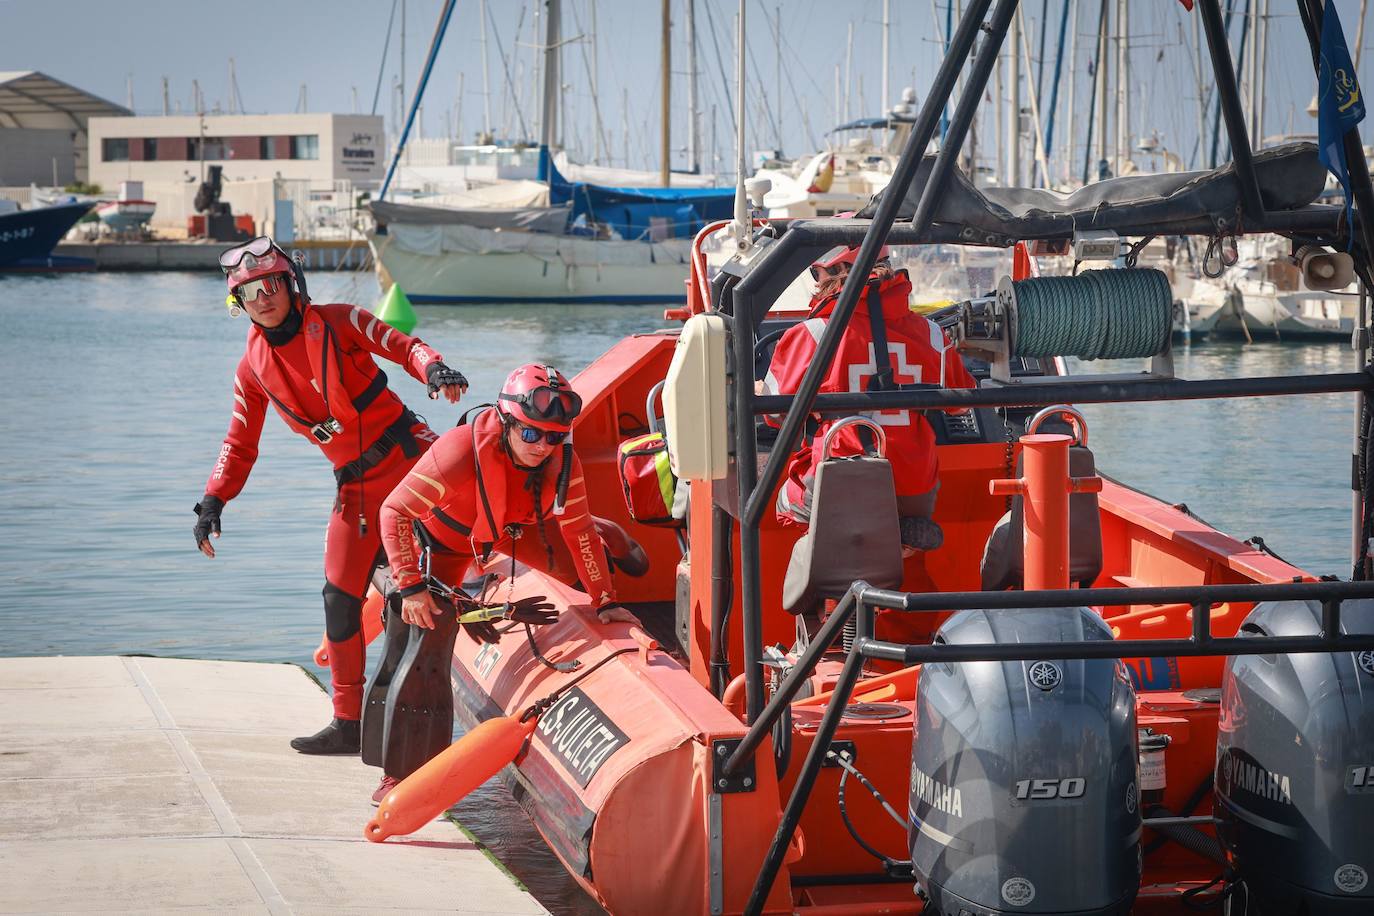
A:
(334, 49)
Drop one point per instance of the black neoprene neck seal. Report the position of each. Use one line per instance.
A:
(283, 332)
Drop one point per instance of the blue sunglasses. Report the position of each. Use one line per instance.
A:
(530, 435)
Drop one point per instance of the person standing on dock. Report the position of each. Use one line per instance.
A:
(314, 364)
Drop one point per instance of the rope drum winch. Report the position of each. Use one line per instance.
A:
(1099, 314)
(1120, 313)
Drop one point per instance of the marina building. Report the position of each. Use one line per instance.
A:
(311, 147)
(297, 175)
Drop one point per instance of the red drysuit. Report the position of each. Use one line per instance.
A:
(326, 370)
(441, 492)
(920, 353)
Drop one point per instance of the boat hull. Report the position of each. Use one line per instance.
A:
(1296, 315)
(126, 215)
(618, 770)
(30, 235)
(529, 268)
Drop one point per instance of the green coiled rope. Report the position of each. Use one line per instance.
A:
(1099, 314)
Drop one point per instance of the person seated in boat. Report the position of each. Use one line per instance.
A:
(314, 364)
(918, 351)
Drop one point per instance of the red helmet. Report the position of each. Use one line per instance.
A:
(539, 396)
(259, 258)
(844, 254)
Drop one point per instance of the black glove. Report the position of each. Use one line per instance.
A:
(207, 517)
(438, 375)
(534, 610)
(485, 631)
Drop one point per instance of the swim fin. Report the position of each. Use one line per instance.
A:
(419, 703)
(374, 703)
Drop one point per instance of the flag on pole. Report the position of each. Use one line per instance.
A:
(1340, 102)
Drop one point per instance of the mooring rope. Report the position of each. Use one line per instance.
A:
(1099, 314)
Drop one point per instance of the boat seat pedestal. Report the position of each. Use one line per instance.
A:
(1003, 558)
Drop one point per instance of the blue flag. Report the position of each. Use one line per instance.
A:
(1340, 102)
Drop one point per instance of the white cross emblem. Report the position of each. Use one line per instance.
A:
(858, 375)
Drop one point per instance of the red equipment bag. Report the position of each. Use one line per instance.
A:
(648, 481)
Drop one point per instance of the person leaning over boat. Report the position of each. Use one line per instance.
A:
(919, 352)
(314, 364)
(491, 486)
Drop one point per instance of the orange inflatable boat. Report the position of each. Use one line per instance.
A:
(1087, 700)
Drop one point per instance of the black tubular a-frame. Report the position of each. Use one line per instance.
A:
(749, 294)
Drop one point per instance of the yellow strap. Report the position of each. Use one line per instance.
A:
(667, 485)
(630, 445)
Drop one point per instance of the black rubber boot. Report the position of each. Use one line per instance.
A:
(920, 533)
(340, 736)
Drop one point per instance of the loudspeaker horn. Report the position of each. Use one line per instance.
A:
(1325, 270)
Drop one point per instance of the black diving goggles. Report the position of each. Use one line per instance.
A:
(553, 405)
(232, 257)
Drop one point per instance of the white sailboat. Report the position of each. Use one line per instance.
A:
(583, 243)
(844, 177)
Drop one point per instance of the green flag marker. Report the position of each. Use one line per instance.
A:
(397, 311)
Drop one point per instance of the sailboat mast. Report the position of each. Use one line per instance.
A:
(1261, 79)
(998, 116)
(548, 126)
(848, 69)
(1196, 159)
(1014, 146)
(1103, 30)
(665, 171)
(1359, 34)
(886, 100)
(777, 76)
(1123, 85)
(486, 76)
(742, 224)
(1072, 126)
(693, 114)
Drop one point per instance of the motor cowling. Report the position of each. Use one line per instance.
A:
(1295, 766)
(1023, 794)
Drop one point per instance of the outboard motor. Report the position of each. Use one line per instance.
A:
(1024, 791)
(1295, 767)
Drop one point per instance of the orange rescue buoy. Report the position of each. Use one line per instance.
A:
(443, 781)
(372, 625)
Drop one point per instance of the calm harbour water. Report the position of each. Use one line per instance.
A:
(118, 394)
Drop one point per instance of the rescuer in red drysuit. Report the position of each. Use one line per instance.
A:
(494, 486)
(919, 352)
(518, 456)
(314, 364)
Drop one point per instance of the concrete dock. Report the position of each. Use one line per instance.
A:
(152, 785)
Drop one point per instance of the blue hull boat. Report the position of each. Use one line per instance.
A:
(27, 237)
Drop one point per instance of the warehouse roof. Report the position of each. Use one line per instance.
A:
(32, 99)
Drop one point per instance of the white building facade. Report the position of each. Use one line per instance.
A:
(318, 147)
(298, 175)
